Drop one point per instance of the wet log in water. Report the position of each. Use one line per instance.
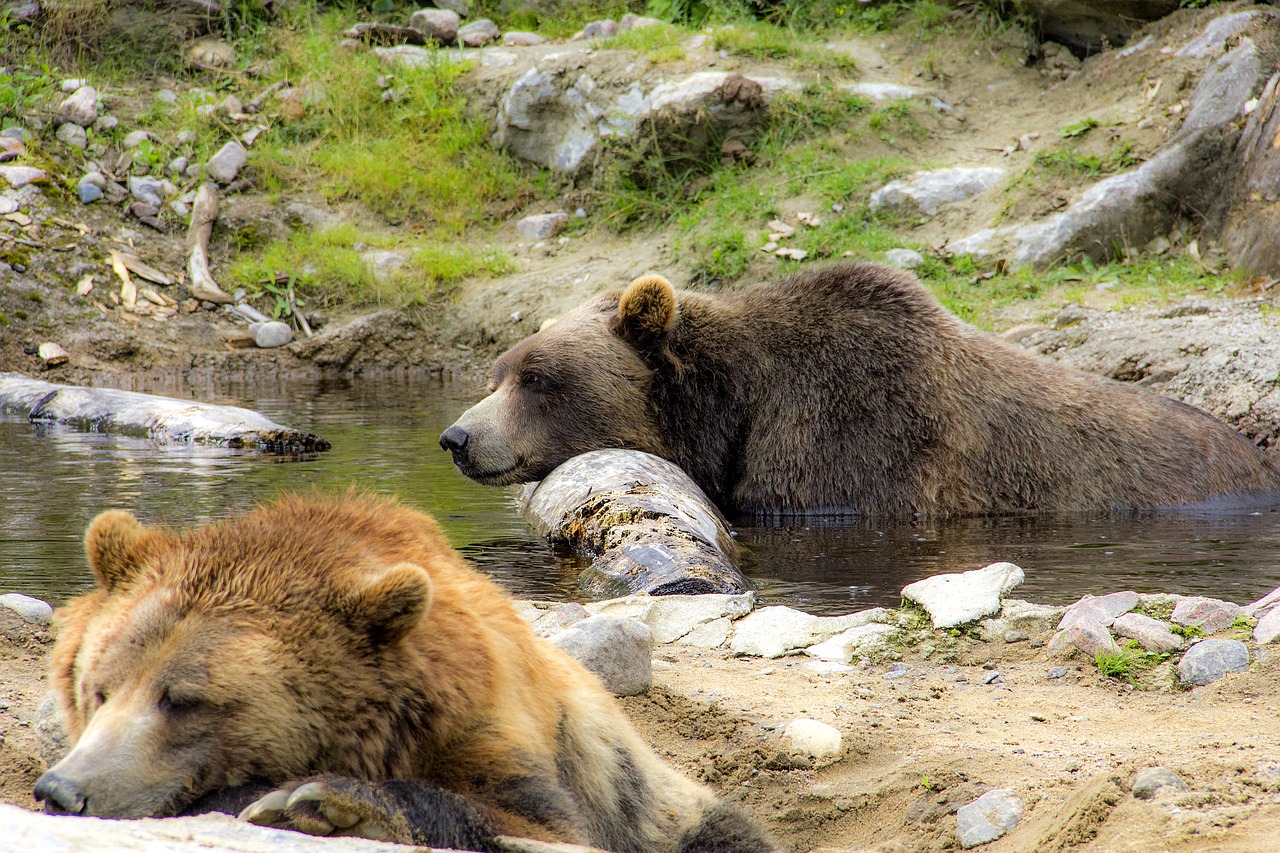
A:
(150, 416)
(644, 523)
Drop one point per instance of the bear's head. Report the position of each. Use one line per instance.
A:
(581, 383)
(218, 657)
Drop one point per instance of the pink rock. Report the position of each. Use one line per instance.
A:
(1101, 609)
(1264, 605)
(1152, 634)
(1211, 614)
(1086, 636)
(1268, 628)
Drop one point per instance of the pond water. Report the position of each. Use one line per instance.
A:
(54, 480)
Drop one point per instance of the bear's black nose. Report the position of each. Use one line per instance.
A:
(60, 794)
(456, 440)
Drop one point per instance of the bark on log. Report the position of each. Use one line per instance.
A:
(164, 419)
(645, 525)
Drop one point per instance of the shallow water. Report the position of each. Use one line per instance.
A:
(54, 480)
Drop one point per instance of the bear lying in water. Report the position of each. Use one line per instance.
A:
(331, 665)
(848, 389)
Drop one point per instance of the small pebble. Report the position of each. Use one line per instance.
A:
(1015, 637)
(993, 677)
(1056, 672)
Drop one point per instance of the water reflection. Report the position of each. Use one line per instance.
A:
(53, 480)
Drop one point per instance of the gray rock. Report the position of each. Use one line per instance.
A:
(771, 632)
(958, 599)
(882, 91)
(1212, 41)
(709, 635)
(1085, 635)
(51, 734)
(133, 140)
(987, 818)
(1056, 672)
(1210, 614)
(224, 166)
(462, 7)
(213, 833)
(853, 642)
(383, 263)
(1264, 605)
(548, 619)
(600, 29)
(616, 649)
(1152, 634)
(1148, 781)
(925, 192)
(71, 84)
(1134, 207)
(541, 226)
(19, 176)
(1022, 617)
(177, 166)
(1209, 660)
(73, 135)
(1268, 628)
(186, 137)
(1100, 609)
(813, 738)
(631, 21)
(17, 133)
(518, 38)
(438, 24)
(1015, 637)
(147, 190)
(33, 610)
(81, 107)
(907, 259)
(479, 33)
(166, 96)
(271, 334)
(8, 205)
(672, 617)
(106, 124)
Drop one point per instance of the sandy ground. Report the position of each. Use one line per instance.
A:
(918, 747)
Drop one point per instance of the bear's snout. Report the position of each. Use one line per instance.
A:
(456, 440)
(59, 794)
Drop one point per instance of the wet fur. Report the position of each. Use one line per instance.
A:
(366, 656)
(849, 389)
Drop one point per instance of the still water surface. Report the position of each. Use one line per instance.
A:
(54, 480)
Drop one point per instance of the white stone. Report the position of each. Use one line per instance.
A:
(709, 635)
(907, 259)
(1264, 605)
(1213, 39)
(671, 617)
(383, 263)
(72, 134)
(843, 647)
(813, 738)
(270, 335)
(1268, 628)
(927, 191)
(136, 138)
(20, 176)
(147, 190)
(882, 91)
(518, 38)
(958, 599)
(227, 163)
(8, 205)
(1152, 634)
(31, 609)
(771, 632)
(81, 107)
(541, 226)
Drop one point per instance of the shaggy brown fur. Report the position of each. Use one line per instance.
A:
(338, 650)
(848, 389)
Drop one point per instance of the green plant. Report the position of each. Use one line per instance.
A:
(1127, 663)
(659, 43)
(1079, 127)
(1187, 632)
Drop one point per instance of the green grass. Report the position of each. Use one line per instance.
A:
(1058, 160)
(762, 40)
(660, 43)
(1129, 662)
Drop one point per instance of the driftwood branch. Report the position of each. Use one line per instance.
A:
(203, 213)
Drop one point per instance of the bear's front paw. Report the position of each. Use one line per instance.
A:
(329, 805)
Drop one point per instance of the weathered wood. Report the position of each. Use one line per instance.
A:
(150, 416)
(203, 213)
(644, 523)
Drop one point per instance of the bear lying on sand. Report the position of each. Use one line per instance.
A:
(848, 389)
(330, 665)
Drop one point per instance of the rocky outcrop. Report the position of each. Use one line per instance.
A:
(1089, 27)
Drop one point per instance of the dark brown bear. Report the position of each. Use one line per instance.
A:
(848, 389)
(331, 665)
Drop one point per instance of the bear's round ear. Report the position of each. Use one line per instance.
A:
(391, 605)
(646, 311)
(117, 545)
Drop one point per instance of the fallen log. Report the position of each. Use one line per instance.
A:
(645, 525)
(165, 419)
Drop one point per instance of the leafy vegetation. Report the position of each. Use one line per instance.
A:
(1130, 662)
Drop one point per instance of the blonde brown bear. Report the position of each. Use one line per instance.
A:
(331, 665)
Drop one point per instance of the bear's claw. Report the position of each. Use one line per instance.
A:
(314, 808)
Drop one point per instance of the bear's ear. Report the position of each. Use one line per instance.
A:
(392, 604)
(646, 311)
(117, 545)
